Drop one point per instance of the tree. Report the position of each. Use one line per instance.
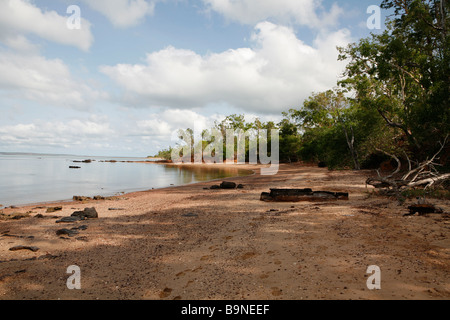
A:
(327, 121)
(403, 73)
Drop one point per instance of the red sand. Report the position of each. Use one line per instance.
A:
(235, 248)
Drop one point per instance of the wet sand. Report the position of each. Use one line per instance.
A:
(193, 244)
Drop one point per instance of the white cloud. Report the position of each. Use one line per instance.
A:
(279, 72)
(22, 17)
(55, 134)
(123, 13)
(47, 81)
(163, 124)
(302, 12)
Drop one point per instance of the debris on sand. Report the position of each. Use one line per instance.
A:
(296, 195)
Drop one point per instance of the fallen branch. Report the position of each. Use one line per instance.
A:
(425, 174)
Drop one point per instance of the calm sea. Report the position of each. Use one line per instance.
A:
(34, 178)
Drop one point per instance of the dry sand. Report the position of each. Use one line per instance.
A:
(234, 247)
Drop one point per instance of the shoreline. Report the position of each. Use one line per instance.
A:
(66, 201)
(188, 243)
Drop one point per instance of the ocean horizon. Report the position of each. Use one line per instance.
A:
(33, 178)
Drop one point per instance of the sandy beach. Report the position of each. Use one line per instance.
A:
(191, 243)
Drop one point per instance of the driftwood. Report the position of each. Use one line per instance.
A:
(424, 174)
(297, 195)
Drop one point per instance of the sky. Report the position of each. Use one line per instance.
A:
(119, 77)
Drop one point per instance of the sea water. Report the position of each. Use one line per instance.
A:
(36, 178)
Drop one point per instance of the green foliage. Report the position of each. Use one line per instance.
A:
(403, 73)
(165, 154)
(393, 99)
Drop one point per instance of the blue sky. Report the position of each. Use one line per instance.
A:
(138, 70)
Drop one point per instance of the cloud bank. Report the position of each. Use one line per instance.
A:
(21, 17)
(279, 71)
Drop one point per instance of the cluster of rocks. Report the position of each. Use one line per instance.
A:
(226, 185)
(86, 214)
(83, 198)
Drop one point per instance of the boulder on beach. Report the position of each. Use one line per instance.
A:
(228, 185)
(88, 213)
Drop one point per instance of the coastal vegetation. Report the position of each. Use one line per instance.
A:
(390, 107)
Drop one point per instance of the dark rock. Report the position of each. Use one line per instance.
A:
(81, 198)
(99, 198)
(215, 187)
(17, 248)
(240, 186)
(88, 213)
(74, 167)
(228, 185)
(296, 195)
(190, 215)
(265, 196)
(423, 209)
(39, 216)
(69, 219)
(83, 227)
(54, 209)
(70, 233)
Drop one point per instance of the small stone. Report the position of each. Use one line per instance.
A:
(17, 248)
(69, 219)
(190, 215)
(54, 209)
(67, 232)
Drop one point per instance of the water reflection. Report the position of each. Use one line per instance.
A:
(30, 179)
(187, 175)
